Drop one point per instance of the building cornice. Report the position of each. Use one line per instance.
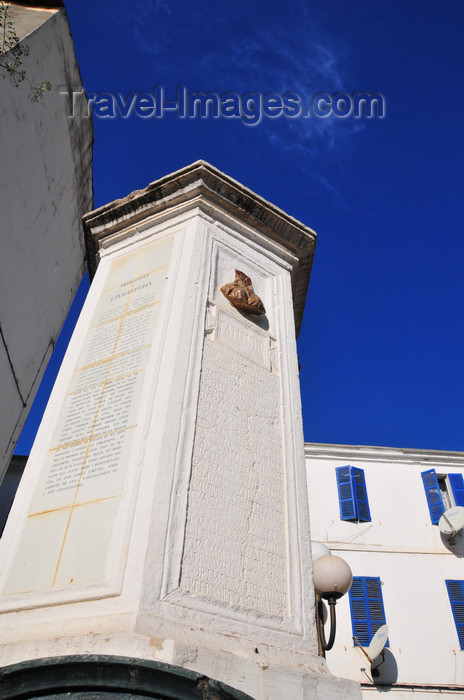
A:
(371, 453)
(200, 180)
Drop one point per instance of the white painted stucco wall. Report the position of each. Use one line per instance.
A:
(402, 547)
(45, 188)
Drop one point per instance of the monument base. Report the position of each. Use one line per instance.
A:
(69, 666)
(103, 677)
(163, 514)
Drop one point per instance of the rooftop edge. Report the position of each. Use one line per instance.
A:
(200, 179)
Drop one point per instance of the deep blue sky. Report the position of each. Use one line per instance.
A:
(381, 347)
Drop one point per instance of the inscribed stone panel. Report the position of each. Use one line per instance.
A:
(84, 473)
(235, 539)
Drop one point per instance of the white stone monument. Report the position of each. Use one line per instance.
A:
(163, 513)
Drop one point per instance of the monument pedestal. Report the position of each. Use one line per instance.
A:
(163, 512)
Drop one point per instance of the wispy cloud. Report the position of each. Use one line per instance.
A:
(305, 62)
(244, 49)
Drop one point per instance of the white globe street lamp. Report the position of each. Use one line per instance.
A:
(332, 579)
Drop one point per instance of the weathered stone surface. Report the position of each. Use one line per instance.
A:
(163, 512)
(236, 494)
(101, 677)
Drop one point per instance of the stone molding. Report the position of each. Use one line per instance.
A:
(201, 182)
(383, 454)
(101, 676)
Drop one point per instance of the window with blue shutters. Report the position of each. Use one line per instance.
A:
(352, 494)
(457, 487)
(442, 491)
(456, 596)
(366, 605)
(433, 495)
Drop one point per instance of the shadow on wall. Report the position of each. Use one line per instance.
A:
(455, 544)
(384, 670)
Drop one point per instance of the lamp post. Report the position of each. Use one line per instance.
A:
(332, 579)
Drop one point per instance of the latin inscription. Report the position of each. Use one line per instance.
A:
(243, 337)
(234, 548)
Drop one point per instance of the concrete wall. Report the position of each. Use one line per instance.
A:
(45, 188)
(402, 547)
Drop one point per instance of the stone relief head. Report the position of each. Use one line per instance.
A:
(241, 295)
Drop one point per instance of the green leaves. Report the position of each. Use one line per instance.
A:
(12, 53)
(8, 33)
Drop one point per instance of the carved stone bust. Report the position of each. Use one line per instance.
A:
(241, 295)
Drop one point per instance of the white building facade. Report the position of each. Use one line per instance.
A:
(45, 188)
(378, 508)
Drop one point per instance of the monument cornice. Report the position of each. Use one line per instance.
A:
(202, 180)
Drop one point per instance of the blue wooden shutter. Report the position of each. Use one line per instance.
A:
(359, 611)
(360, 494)
(375, 605)
(366, 605)
(432, 492)
(346, 495)
(457, 485)
(456, 596)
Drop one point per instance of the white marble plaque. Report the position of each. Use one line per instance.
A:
(76, 502)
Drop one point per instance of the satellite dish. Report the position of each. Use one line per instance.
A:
(377, 643)
(452, 521)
